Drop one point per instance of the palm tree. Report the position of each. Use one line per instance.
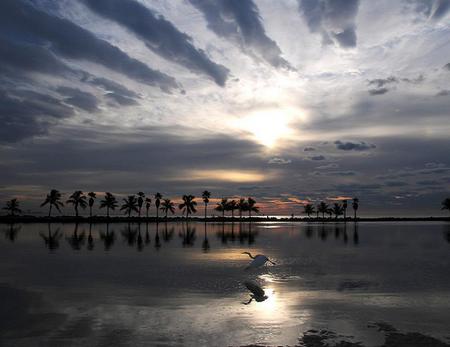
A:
(53, 199)
(251, 206)
(308, 209)
(158, 197)
(322, 208)
(337, 210)
(242, 206)
(92, 197)
(129, 205)
(188, 205)
(168, 205)
(344, 207)
(77, 199)
(148, 203)
(222, 206)
(205, 196)
(109, 202)
(13, 207)
(232, 206)
(140, 202)
(355, 205)
(445, 204)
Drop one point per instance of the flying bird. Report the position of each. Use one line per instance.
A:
(258, 260)
(257, 294)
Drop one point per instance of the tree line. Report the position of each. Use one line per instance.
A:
(137, 203)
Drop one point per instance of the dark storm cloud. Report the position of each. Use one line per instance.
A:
(333, 19)
(80, 99)
(240, 21)
(160, 35)
(25, 113)
(353, 146)
(62, 37)
(433, 9)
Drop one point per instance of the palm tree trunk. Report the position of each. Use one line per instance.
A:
(90, 211)
(50, 210)
(76, 211)
(355, 214)
(206, 207)
(107, 211)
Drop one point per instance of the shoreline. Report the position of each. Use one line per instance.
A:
(121, 219)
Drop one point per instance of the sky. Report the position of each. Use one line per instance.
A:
(286, 101)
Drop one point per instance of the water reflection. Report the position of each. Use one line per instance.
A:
(76, 240)
(52, 238)
(90, 245)
(245, 233)
(339, 230)
(108, 238)
(257, 292)
(157, 240)
(205, 244)
(188, 235)
(11, 231)
(129, 235)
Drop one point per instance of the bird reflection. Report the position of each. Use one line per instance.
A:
(205, 244)
(257, 293)
(108, 238)
(51, 239)
(76, 240)
(90, 245)
(12, 231)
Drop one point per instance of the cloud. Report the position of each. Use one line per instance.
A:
(333, 19)
(443, 93)
(240, 21)
(447, 66)
(279, 161)
(160, 35)
(26, 113)
(309, 149)
(80, 99)
(432, 9)
(121, 100)
(63, 37)
(429, 183)
(328, 166)
(380, 85)
(353, 146)
(395, 183)
(379, 91)
(317, 158)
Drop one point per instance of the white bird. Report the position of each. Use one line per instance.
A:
(258, 260)
(258, 293)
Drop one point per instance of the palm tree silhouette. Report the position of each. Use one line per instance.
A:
(92, 197)
(308, 209)
(344, 208)
(109, 202)
(158, 197)
(168, 205)
(205, 196)
(337, 210)
(148, 203)
(77, 199)
(188, 205)
(53, 199)
(13, 207)
(355, 205)
(222, 206)
(242, 206)
(251, 206)
(322, 208)
(446, 204)
(129, 205)
(232, 206)
(140, 202)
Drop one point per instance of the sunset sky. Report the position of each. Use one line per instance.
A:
(287, 101)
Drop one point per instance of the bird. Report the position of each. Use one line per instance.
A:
(258, 293)
(258, 260)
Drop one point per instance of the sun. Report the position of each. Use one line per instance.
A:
(267, 127)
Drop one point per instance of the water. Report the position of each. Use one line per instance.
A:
(183, 285)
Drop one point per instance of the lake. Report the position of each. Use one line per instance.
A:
(178, 284)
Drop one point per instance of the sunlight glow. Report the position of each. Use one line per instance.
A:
(268, 127)
(226, 175)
